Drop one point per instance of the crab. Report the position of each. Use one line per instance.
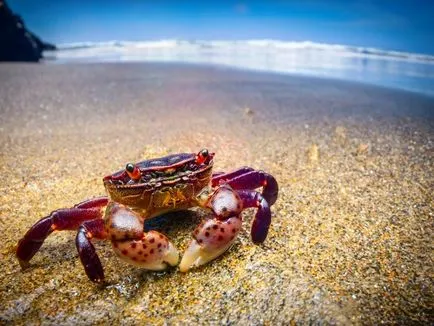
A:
(151, 188)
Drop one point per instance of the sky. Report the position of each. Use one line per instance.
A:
(391, 25)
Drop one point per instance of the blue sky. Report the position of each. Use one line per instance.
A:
(392, 25)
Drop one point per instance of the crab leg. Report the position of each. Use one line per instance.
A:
(223, 176)
(216, 174)
(58, 220)
(86, 250)
(97, 202)
(247, 178)
(262, 220)
(150, 250)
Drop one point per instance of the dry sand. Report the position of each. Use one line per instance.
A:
(351, 238)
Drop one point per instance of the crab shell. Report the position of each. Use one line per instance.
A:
(166, 183)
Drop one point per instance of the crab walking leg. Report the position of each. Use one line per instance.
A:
(254, 179)
(216, 235)
(262, 220)
(150, 250)
(58, 220)
(97, 202)
(221, 177)
(216, 174)
(86, 250)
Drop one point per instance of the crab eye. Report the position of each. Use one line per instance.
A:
(130, 167)
(133, 171)
(202, 156)
(204, 152)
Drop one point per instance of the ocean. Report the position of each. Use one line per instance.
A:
(400, 70)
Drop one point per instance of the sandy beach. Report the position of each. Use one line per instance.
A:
(351, 236)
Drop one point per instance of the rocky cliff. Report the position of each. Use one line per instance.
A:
(17, 43)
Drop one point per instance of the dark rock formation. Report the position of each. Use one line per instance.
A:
(16, 42)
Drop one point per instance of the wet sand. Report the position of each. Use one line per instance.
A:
(351, 236)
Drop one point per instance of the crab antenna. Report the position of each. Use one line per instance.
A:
(133, 171)
(202, 156)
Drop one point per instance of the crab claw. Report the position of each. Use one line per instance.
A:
(211, 239)
(153, 252)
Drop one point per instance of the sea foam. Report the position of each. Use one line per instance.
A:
(406, 70)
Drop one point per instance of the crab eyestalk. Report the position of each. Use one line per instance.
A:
(133, 172)
(203, 156)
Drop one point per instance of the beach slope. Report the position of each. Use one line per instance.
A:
(351, 236)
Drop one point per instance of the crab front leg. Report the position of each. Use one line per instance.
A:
(261, 222)
(58, 220)
(86, 250)
(150, 250)
(221, 176)
(215, 235)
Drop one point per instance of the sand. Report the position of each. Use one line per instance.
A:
(351, 236)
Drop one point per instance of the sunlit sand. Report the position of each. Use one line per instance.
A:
(351, 235)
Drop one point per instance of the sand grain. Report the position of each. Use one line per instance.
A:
(351, 238)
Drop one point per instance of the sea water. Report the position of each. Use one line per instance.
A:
(408, 71)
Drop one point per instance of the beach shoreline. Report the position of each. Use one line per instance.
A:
(401, 70)
(350, 240)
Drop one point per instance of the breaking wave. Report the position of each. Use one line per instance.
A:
(395, 69)
(271, 46)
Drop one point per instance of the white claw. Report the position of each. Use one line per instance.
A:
(191, 257)
(172, 255)
(213, 239)
(195, 255)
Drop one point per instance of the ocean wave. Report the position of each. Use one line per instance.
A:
(404, 70)
(257, 46)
